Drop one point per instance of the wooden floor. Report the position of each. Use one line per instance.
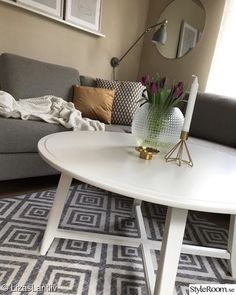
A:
(22, 186)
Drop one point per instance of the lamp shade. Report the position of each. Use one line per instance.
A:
(160, 36)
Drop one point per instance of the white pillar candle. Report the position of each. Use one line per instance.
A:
(191, 103)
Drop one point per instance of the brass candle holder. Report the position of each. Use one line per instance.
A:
(179, 150)
(146, 153)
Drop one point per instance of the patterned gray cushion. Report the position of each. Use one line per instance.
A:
(125, 101)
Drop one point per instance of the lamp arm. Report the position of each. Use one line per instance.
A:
(115, 61)
(132, 46)
(164, 22)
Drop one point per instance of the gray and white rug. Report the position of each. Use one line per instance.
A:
(74, 267)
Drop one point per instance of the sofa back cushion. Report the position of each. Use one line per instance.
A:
(88, 81)
(214, 119)
(24, 77)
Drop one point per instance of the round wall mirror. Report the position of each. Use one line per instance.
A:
(186, 21)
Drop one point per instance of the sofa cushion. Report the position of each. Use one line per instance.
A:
(88, 81)
(94, 103)
(125, 101)
(118, 128)
(19, 136)
(23, 77)
(214, 119)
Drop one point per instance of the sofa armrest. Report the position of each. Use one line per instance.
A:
(214, 119)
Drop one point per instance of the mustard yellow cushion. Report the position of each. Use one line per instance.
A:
(94, 103)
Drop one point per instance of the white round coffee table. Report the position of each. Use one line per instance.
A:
(109, 161)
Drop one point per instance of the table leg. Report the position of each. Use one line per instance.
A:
(232, 245)
(55, 213)
(136, 202)
(170, 251)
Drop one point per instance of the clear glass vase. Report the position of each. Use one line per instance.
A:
(155, 129)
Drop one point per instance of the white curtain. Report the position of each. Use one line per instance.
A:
(222, 77)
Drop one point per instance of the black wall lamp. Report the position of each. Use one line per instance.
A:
(159, 36)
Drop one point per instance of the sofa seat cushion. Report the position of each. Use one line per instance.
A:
(24, 77)
(19, 136)
(118, 128)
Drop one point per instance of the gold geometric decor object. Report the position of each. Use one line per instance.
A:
(179, 151)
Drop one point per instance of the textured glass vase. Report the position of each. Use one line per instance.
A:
(154, 129)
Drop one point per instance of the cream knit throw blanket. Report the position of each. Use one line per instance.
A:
(49, 108)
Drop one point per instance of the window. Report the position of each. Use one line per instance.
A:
(222, 77)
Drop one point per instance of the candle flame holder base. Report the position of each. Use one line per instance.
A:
(179, 151)
(146, 153)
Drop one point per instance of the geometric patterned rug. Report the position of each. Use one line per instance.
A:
(84, 268)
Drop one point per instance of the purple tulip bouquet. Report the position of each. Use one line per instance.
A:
(157, 121)
(158, 94)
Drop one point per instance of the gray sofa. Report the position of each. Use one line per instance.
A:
(23, 77)
(214, 119)
(214, 116)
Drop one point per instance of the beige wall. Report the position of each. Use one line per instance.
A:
(198, 61)
(30, 35)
